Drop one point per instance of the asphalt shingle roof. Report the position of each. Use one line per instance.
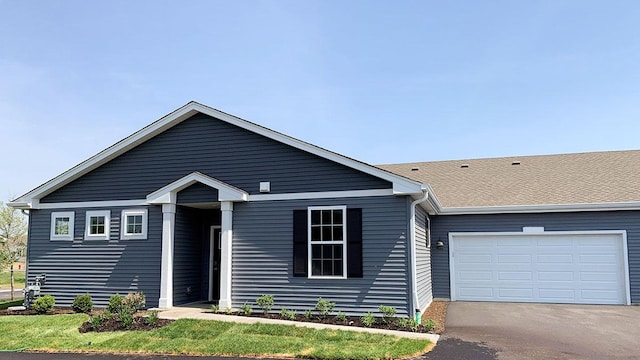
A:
(581, 178)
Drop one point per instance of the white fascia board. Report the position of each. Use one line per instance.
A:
(401, 184)
(19, 205)
(616, 206)
(321, 195)
(167, 194)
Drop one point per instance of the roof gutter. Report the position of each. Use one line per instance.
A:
(412, 254)
(515, 209)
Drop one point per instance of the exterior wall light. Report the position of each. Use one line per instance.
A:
(439, 244)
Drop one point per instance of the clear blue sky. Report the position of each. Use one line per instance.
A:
(383, 82)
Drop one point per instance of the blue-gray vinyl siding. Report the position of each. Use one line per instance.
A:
(423, 260)
(98, 267)
(191, 253)
(578, 221)
(197, 193)
(263, 257)
(220, 150)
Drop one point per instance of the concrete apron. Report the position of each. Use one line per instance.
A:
(205, 314)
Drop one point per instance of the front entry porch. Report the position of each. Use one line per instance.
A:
(197, 216)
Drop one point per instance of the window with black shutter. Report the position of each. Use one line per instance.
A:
(327, 242)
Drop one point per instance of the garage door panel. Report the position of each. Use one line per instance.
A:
(600, 295)
(513, 242)
(475, 259)
(555, 259)
(513, 259)
(598, 259)
(556, 276)
(515, 275)
(510, 294)
(479, 293)
(604, 276)
(571, 268)
(554, 295)
(475, 275)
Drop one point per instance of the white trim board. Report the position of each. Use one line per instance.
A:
(257, 197)
(621, 233)
(401, 185)
(321, 195)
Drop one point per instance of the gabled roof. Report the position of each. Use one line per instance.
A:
(401, 185)
(595, 180)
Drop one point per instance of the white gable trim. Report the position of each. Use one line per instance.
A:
(401, 185)
(167, 194)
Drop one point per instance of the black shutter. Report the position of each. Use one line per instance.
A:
(354, 243)
(300, 243)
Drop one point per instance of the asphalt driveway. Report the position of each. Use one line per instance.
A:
(484, 331)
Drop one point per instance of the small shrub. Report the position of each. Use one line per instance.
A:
(246, 308)
(368, 319)
(152, 319)
(215, 308)
(409, 323)
(134, 302)
(291, 315)
(107, 315)
(43, 304)
(429, 324)
(388, 312)
(324, 307)
(96, 321)
(228, 311)
(126, 317)
(341, 316)
(115, 304)
(308, 314)
(265, 302)
(82, 304)
(283, 312)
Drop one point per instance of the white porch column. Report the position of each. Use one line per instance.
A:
(225, 254)
(166, 272)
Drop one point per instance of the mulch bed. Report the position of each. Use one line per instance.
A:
(55, 311)
(113, 324)
(332, 320)
(437, 312)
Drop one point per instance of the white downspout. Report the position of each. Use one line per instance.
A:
(412, 255)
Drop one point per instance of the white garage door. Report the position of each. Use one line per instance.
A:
(556, 267)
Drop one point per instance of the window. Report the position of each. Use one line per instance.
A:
(134, 224)
(335, 243)
(62, 225)
(97, 225)
(327, 241)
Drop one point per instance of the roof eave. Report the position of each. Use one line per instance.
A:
(515, 209)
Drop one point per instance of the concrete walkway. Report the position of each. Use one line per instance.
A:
(195, 311)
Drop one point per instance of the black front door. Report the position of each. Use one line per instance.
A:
(215, 239)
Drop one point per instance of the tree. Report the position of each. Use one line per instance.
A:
(13, 238)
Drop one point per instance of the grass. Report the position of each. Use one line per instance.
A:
(18, 279)
(203, 337)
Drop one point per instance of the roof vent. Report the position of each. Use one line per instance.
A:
(515, 162)
(415, 168)
(464, 166)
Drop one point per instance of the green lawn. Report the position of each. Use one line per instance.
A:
(18, 279)
(202, 337)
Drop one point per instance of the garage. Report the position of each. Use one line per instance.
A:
(540, 266)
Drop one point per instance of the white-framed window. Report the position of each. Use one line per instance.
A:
(62, 225)
(97, 225)
(134, 224)
(327, 232)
